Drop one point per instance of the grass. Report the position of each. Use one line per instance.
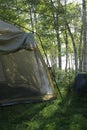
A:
(71, 114)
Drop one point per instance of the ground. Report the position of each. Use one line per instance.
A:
(69, 114)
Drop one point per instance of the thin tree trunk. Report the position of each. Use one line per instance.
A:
(66, 43)
(74, 46)
(80, 55)
(56, 27)
(73, 42)
(58, 43)
(31, 18)
(66, 40)
(35, 19)
(84, 36)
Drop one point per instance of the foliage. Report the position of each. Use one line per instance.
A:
(48, 19)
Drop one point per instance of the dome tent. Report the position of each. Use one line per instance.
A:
(24, 76)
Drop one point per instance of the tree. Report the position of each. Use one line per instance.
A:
(52, 20)
(84, 21)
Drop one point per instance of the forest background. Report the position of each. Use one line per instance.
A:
(60, 30)
(60, 24)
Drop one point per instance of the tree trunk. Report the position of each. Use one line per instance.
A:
(31, 19)
(74, 46)
(73, 42)
(84, 36)
(66, 40)
(58, 43)
(56, 27)
(80, 51)
(66, 43)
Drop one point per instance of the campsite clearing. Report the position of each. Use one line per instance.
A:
(70, 115)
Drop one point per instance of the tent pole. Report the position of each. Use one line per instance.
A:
(53, 76)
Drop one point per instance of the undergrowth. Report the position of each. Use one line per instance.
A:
(67, 114)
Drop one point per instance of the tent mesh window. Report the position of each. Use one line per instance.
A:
(23, 75)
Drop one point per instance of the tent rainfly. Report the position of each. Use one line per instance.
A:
(24, 76)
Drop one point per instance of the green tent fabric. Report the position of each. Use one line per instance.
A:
(24, 76)
(11, 38)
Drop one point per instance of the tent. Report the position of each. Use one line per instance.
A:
(24, 76)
